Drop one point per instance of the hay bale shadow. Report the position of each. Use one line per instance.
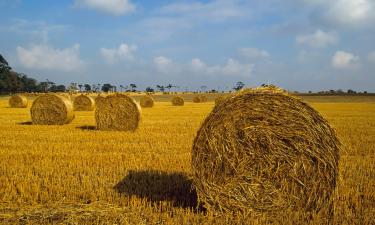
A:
(156, 186)
(25, 123)
(86, 127)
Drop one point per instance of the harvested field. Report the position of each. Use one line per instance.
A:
(76, 174)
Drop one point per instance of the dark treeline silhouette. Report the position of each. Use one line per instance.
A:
(11, 81)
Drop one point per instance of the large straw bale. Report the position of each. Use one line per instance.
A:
(18, 101)
(84, 103)
(51, 109)
(178, 101)
(264, 151)
(118, 112)
(147, 102)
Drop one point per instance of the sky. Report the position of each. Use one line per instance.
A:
(298, 45)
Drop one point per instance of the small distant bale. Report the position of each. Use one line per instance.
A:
(18, 101)
(84, 103)
(178, 101)
(200, 99)
(51, 109)
(118, 112)
(196, 99)
(264, 151)
(65, 95)
(147, 102)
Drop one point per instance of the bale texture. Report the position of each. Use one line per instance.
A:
(178, 101)
(118, 112)
(147, 102)
(220, 99)
(84, 103)
(18, 101)
(51, 109)
(99, 99)
(264, 151)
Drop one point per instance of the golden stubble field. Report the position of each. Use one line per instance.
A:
(73, 174)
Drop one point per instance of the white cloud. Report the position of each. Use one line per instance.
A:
(232, 67)
(38, 30)
(345, 12)
(371, 57)
(198, 67)
(218, 10)
(253, 53)
(49, 58)
(166, 65)
(123, 53)
(344, 60)
(317, 39)
(114, 7)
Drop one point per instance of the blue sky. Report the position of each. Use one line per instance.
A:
(296, 44)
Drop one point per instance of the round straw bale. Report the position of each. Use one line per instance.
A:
(196, 99)
(264, 151)
(65, 95)
(84, 103)
(199, 99)
(99, 99)
(118, 112)
(51, 109)
(203, 98)
(178, 101)
(18, 101)
(147, 102)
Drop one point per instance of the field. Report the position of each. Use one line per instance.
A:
(74, 174)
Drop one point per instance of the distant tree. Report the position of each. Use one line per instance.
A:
(106, 87)
(350, 91)
(365, 92)
(133, 87)
(310, 92)
(121, 87)
(73, 87)
(87, 87)
(149, 89)
(239, 86)
(203, 88)
(4, 66)
(169, 86)
(80, 87)
(340, 91)
(160, 88)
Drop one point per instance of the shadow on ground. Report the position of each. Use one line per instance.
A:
(25, 123)
(158, 186)
(86, 127)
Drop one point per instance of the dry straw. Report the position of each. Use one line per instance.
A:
(264, 151)
(84, 103)
(99, 99)
(118, 112)
(199, 99)
(18, 101)
(51, 109)
(147, 102)
(65, 95)
(178, 101)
